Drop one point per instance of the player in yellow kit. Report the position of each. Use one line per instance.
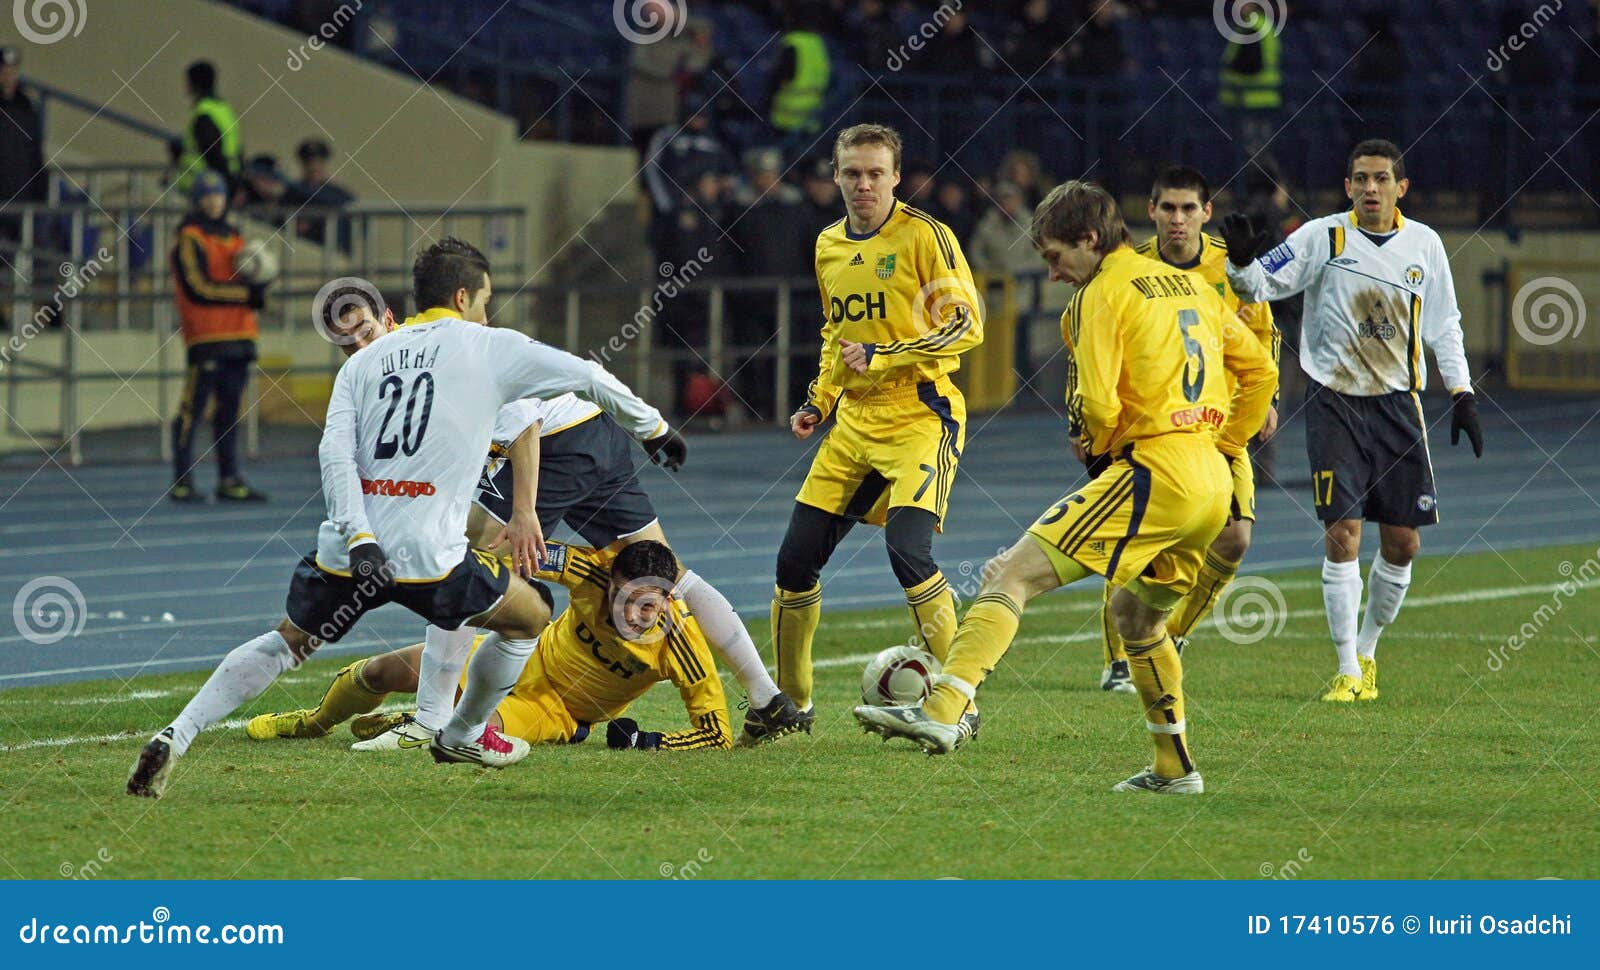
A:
(900, 308)
(622, 632)
(1149, 347)
(1180, 206)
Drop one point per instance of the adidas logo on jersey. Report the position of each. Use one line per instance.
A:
(858, 261)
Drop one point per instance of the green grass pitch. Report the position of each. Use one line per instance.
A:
(1478, 761)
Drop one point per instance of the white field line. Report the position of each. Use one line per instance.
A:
(1469, 596)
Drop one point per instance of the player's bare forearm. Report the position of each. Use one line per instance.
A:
(523, 531)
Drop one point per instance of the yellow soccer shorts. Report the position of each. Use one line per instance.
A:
(1243, 505)
(889, 448)
(1151, 515)
(533, 711)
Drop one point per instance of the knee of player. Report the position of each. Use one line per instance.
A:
(301, 644)
(795, 573)
(1400, 550)
(1344, 540)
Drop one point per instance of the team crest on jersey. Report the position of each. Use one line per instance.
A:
(1222, 289)
(885, 267)
(1425, 503)
(1413, 275)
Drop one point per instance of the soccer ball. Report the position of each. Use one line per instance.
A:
(256, 263)
(899, 677)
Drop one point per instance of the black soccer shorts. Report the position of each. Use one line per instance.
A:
(586, 480)
(1369, 457)
(327, 605)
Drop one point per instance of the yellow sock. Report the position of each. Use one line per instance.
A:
(985, 634)
(794, 623)
(1110, 639)
(347, 696)
(933, 613)
(1215, 575)
(1158, 673)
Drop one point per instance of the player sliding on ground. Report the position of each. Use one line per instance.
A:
(623, 632)
(566, 461)
(1180, 206)
(1149, 344)
(899, 309)
(1377, 288)
(397, 474)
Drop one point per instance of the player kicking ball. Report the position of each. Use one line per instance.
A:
(624, 631)
(1377, 288)
(399, 471)
(1180, 206)
(1149, 344)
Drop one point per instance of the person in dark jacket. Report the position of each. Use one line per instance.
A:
(22, 177)
(217, 311)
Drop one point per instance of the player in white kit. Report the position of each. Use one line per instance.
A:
(408, 423)
(1377, 288)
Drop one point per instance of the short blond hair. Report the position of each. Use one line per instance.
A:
(1075, 209)
(857, 135)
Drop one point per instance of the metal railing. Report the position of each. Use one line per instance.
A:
(84, 268)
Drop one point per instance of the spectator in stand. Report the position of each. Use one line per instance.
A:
(1266, 201)
(692, 247)
(1250, 84)
(260, 183)
(653, 75)
(952, 207)
(678, 156)
(1097, 56)
(802, 74)
(211, 139)
(705, 73)
(821, 204)
(1036, 40)
(954, 51)
(218, 314)
(1000, 245)
(1585, 102)
(316, 190)
(775, 240)
(1021, 168)
(918, 187)
(872, 34)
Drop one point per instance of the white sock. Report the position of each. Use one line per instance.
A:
(444, 653)
(728, 638)
(1386, 590)
(244, 674)
(491, 675)
(1341, 596)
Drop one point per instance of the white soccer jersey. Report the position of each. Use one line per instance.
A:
(1369, 307)
(409, 423)
(557, 414)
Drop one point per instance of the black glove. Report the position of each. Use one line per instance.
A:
(623, 734)
(258, 296)
(1096, 463)
(368, 565)
(667, 449)
(1464, 417)
(1244, 238)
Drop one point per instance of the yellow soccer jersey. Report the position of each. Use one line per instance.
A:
(1150, 345)
(598, 673)
(905, 291)
(1211, 264)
